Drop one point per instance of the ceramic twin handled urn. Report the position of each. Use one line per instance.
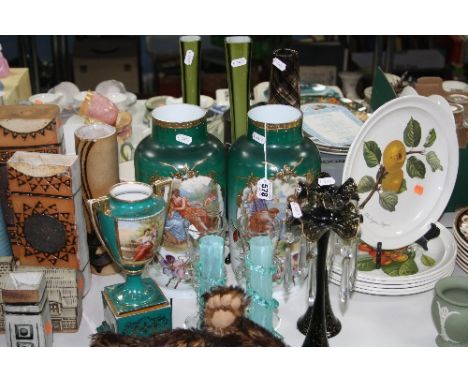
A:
(129, 223)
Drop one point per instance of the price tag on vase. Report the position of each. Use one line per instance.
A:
(182, 138)
(279, 64)
(258, 138)
(238, 62)
(189, 57)
(265, 189)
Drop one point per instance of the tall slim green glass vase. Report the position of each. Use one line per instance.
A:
(238, 53)
(190, 68)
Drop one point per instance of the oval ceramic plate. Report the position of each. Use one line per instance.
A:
(405, 162)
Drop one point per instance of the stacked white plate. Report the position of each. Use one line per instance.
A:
(425, 129)
(460, 232)
(442, 252)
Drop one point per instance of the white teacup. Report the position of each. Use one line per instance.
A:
(119, 99)
(205, 101)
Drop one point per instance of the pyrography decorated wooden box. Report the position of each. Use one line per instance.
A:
(27, 128)
(45, 195)
(27, 317)
(65, 291)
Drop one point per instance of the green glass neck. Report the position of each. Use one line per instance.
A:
(190, 72)
(167, 135)
(290, 136)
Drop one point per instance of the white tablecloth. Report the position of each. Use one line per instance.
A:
(368, 321)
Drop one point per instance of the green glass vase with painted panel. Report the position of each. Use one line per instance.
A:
(181, 149)
(290, 158)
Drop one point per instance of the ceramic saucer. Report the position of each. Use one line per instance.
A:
(455, 86)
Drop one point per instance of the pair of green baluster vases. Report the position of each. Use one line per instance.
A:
(205, 176)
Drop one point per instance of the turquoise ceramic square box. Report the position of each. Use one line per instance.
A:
(143, 322)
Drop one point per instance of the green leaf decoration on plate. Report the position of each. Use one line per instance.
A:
(372, 153)
(388, 200)
(415, 168)
(412, 133)
(402, 187)
(408, 268)
(365, 264)
(434, 162)
(430, 139)
(392, 269)
(428, 261)
(366, 184)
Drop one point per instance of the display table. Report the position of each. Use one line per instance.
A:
(367, 320)
(17, 86)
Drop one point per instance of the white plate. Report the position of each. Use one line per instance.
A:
(411, 283)
(462, 266)
(328, 149)
(398, 291)
(462, 245)
(402, 292)
(331, 151)
(365, 285)
(462, 255)
(461, 242)
(46, 98)
(463, 258)
(454, 86)
(442, 249)
(425, 199)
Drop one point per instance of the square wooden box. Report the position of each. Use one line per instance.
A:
(28, 128)
(45, 196)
